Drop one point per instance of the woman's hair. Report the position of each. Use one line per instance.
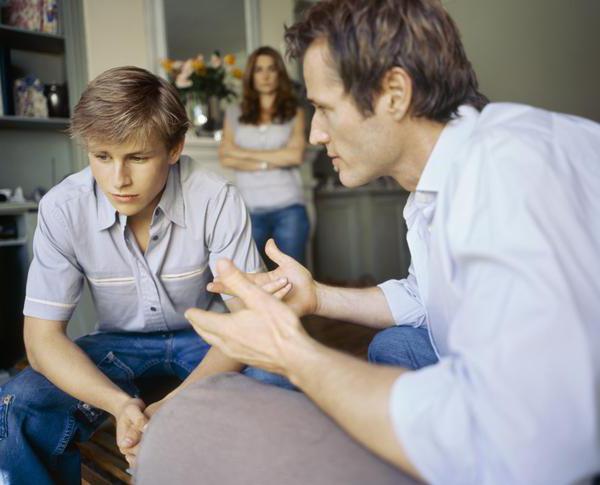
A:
(367, 38)
(129, 104)
(286, 103)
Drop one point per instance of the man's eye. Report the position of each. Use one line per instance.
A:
(139, 159)
(101, 156)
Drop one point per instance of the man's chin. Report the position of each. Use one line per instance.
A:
(350, 181)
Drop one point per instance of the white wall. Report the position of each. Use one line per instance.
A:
(115, 34)
(541, 52)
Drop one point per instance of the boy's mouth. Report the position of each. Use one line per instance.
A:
(125, 197)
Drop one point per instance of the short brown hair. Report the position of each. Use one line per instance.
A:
(286, 103)
(129, 103)
(367, 38)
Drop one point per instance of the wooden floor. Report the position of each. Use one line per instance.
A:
(102, 463)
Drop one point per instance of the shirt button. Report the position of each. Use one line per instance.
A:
(155, 238)
(152, 308)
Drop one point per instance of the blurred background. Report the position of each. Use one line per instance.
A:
(540, 52)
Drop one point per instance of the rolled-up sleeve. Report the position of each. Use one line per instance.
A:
(403, 298)
(515, 400)
(55, 280)
(229, 233)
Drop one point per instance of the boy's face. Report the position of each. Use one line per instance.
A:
(132, 175)
(361, 149)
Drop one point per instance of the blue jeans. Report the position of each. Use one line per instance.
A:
(288, 226)
(402, 346)
(40, 424)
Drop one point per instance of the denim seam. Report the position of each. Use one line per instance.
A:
(181, 364)
(5, 405)
(67, 436)
(148, 365)
(115, 360)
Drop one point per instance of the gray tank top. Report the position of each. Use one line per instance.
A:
(269, 189)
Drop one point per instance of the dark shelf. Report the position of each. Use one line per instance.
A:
(23, 123)
(27, 40)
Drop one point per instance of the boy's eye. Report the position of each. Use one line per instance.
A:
(101, 156)
(139, 159)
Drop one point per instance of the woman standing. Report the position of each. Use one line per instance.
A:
(263, 140)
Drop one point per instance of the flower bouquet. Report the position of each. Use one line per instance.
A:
(203, 86)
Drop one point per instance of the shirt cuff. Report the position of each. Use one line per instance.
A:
(406, 309)
(48, 310)
(431, 421)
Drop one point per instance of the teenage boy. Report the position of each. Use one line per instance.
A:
(144, 227)
(496, 329)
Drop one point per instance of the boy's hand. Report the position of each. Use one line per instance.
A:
(300, 293)
(130, 424)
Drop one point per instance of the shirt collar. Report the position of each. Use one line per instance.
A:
(171, 202)
(453, 138)
(107, 214)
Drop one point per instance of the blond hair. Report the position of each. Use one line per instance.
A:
(129, 104)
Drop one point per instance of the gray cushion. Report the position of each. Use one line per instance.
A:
(230, 429)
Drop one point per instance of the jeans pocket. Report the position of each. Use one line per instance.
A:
(4, 406)
(115, 369)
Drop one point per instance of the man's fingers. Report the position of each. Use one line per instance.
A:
(281, 294)
(208, 322)
(274, 253)
(234, 279)
(273, 287)
(137, 417)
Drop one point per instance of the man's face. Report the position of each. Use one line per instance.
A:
(361, 149)
(132, 175)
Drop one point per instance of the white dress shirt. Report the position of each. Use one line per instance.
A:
(506, 274)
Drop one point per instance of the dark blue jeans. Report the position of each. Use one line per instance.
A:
(288, 226)
(40, 424)
(402, 346)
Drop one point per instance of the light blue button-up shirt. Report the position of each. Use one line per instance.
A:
(509, 263)
(81, 237)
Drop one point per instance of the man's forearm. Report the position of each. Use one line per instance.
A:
(354, 393)
(365, 306)
(64, 364)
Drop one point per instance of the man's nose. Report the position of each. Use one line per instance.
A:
(317, 136)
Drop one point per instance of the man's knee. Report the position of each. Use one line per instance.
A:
(403, 346)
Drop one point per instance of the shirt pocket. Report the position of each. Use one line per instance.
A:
(186, 286)
(115, 298)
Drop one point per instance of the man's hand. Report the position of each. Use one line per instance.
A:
(301, 291)
(266, 334)
(130, 424)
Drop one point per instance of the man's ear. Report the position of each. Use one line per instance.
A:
(175, 152)
(397, 87)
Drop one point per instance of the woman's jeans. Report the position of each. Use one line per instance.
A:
(288, 226)
(40, 424)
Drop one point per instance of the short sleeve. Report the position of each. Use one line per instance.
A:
(55, 279)
(229, 232)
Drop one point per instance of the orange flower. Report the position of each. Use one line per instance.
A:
(198, 65)
(167, 65)
(229, 59)
(237, 73)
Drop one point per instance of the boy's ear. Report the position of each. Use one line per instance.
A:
(175, 153)
(397, 86)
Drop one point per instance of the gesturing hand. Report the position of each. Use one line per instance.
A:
(265, 334)
(130, 424)
(300, 292)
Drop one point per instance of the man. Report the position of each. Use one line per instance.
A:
(504, 233)
(144, 227)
